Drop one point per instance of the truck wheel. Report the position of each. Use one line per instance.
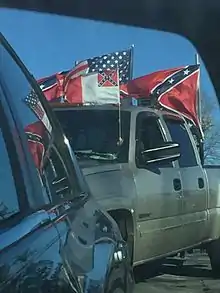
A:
(213, 251)
(117, 281)
(122, 224)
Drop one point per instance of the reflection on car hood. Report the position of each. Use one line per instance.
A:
(33, 221)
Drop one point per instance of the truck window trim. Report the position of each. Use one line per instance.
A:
(181, 121)
(162, 131)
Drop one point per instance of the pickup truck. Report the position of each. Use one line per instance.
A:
(152, 181)
(53, 233)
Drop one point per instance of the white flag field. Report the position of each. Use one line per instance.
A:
(94, 88)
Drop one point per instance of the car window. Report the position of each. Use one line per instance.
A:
(180, 135)
(10, 179)
(26, 103)
(30, 113)
(8, 198)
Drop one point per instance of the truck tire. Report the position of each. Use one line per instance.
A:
(213, 251)
(115, 283)
(118, 281)
(122, 224)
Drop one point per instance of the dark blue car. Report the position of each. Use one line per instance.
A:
(53, 235)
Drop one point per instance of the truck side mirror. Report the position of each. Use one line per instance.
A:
(169, 151)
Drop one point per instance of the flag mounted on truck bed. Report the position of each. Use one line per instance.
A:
(173, 89)
(120, 61)
(94, 88)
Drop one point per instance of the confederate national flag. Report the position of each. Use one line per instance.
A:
(37, 142)
(94, 88)
(174, 89)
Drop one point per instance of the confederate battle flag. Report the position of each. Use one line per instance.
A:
(174, 89)
(37, 142)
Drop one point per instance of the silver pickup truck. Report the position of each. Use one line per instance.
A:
(151, 181)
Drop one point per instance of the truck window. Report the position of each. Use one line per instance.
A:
(92, 131)
(180, 135)
(149, 136)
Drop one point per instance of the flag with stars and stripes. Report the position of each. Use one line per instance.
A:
(174, 89)
(95, 88)
(120, 60)
(33, 102)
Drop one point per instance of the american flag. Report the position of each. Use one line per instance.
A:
(121, 60)
(33, 102)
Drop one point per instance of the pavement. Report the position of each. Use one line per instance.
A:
(194, 276)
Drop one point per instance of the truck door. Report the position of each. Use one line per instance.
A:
(194, 183)
(159, 192)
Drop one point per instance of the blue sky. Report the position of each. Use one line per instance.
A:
(50, 43)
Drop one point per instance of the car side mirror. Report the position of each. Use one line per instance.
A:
(169, 151)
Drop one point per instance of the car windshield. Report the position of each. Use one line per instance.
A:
(94, 134)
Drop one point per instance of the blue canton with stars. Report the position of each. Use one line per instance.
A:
(120, 60)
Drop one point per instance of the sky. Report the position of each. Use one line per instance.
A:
(50, 43)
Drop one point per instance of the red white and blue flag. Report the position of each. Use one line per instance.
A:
(94, 88)
(33, 102)
(174, 89)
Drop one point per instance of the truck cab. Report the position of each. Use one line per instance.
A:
(146, 171)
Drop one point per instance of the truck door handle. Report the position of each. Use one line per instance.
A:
(177, 184)
(201, 183)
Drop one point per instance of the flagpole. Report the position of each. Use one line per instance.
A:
(132, 61)
(199, 101)
(120, 139)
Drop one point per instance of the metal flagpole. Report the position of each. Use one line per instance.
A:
(199, 111)
(199, 98)
(120, 139)
(132, 61)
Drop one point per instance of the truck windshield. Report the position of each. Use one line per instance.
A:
(94, 134)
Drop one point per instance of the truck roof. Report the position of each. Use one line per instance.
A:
(129, 108)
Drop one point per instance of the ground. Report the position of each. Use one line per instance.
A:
(193, 277)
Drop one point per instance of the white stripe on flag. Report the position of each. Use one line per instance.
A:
(94, 94)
